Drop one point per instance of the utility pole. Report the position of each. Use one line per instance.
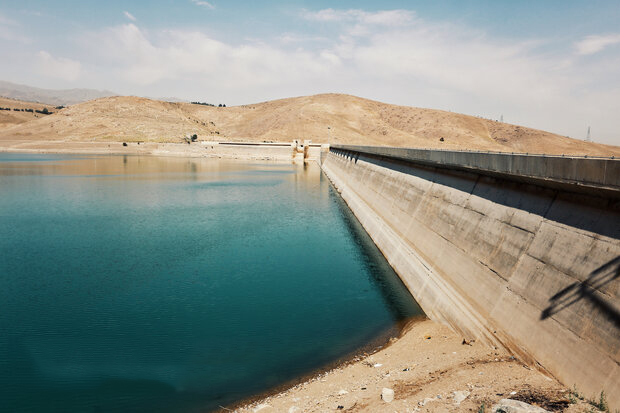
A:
(588, 136)
(501, 118)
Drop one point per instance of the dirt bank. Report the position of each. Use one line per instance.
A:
(430, 369)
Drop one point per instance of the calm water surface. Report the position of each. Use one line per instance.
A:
(145, 284)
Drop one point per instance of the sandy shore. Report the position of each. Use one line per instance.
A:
(281, 151)
(430, 369)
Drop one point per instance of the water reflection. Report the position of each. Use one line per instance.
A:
(395, 294)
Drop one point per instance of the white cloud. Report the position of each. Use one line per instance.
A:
(203, 3)
(57, 67)
(595, 43)
(292, 38)
(146, 58)
(382, 18)
(441, 55)
(129, 16)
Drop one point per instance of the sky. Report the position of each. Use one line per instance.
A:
(551, 65)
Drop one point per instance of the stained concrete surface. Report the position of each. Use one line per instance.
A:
(532, 268)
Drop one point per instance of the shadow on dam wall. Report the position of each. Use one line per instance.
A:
(586, 290)
(530, 263)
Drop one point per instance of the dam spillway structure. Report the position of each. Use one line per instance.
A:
(296, 151)
(519, 251)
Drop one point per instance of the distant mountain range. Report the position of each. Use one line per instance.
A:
(52, 97)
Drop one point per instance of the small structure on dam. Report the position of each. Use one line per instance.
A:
(297, 151)
(520, 251)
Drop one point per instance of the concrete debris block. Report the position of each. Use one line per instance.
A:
(515, 406)
(377, 365)
(459, 396)
(387, 395)
(264, 408)
(342, 391)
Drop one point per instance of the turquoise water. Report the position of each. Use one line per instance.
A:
(145, 284)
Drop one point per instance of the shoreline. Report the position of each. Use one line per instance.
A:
(284, 152)
(429, 367)
(375, 345)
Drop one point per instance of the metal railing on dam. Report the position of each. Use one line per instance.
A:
(517, 250)
(584, 173)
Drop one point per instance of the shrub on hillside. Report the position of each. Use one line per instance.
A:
(202, 103)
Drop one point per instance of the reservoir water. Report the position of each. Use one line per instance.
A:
(146, 284)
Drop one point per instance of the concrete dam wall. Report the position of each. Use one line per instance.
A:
(518, 251)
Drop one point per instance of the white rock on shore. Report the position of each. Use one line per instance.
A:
(515, 406)
(459, 396)
(387, 395)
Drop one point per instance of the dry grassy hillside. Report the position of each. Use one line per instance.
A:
(113, 119)
(11, 117)
(352, 120)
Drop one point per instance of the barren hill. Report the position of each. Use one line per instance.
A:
(14, 112)
(352, 120)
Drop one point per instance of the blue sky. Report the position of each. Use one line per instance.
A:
(553, 65)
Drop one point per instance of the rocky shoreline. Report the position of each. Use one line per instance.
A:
(429, 368)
